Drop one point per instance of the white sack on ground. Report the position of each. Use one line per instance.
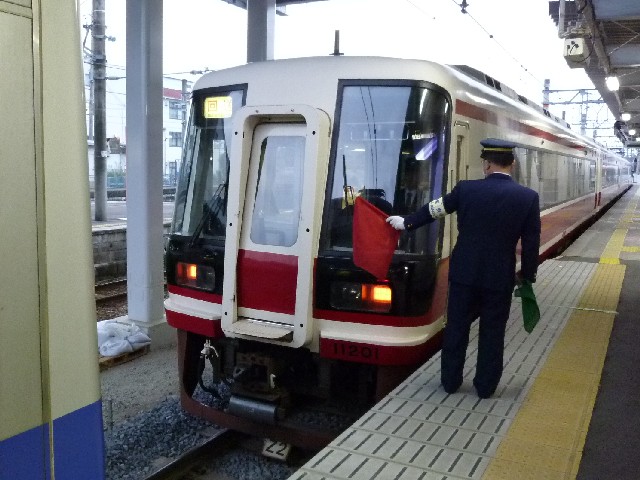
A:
(116, 338)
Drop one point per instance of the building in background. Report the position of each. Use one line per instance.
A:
(175, 96)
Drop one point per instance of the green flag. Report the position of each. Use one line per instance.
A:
(530, 310)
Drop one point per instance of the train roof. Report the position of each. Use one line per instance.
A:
(365, 67)
(324, 72)
(331, 66)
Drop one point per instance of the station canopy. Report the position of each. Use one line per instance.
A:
(280, 4)
(603, 37)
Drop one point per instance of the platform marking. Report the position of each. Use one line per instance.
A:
(419, 431)
(535, 425)
(547, 437)
(611, 253)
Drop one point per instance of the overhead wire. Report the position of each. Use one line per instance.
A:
(463, 5)
(463, 8)
(491, 36)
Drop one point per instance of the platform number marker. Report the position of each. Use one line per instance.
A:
(275, 449)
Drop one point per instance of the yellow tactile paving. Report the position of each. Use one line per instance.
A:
(551, 425)
(611, 253)
(524, 451)
(547, 436)
(501, 469)
(603, 291)
(557, 369)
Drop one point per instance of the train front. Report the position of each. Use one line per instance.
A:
(268, 303)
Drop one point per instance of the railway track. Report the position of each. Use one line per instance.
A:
(216, 446)
(111, 298)
(229, 455)
(237, 452)
(111, 291)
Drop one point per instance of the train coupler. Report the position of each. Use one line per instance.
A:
(254, 409)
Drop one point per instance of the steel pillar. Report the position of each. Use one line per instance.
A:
(145, 276)
(261, 24)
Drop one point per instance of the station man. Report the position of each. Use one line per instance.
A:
(494, 213)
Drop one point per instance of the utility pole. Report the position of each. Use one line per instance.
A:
(584, 109)
(545, 93)
(91, 117)
(98, 69)
(185, 99)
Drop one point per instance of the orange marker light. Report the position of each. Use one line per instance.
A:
(192, 271)
(363, 297)
(376, 297)
(381, 293)
(202, 277)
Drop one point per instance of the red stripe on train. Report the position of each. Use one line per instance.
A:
(267, 281)
(197, 294)
(189, 323)
(478, 113)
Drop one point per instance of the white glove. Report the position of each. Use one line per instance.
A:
(396, 222)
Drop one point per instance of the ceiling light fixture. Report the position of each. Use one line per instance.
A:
(613, 83)
(625, 117)
(632, 132)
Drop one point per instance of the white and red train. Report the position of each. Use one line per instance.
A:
(260, 271)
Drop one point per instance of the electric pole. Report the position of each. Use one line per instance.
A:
(185, 99)
(98, 70)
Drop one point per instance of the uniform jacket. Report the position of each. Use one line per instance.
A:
(493, 214)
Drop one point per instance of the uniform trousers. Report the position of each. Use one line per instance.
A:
(465, 304)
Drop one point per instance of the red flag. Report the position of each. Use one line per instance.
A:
(374, 240)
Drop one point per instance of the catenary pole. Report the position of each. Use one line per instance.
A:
(99, 110)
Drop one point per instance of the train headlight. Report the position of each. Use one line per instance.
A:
(364, 297)
(191, 275)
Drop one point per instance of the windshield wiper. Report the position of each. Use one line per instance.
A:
(213, 206)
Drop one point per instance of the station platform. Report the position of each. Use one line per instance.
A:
(568, 404)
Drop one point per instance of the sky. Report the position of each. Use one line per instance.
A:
(515, 42)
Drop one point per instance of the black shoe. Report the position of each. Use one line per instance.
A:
(484, 394)
(451, 388)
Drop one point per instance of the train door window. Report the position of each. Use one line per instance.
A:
(563, 177)
(459, 146)
(549, 178)
(390, 150)
(594, 167)
(276, 210)
(529, 171)
(517, 172)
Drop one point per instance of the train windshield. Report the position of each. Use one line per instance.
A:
(201, 196)
(391, 148)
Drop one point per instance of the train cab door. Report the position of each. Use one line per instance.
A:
(458, 170)
(275, 192)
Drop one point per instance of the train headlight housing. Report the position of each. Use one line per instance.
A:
(191, 275)
(365, 297)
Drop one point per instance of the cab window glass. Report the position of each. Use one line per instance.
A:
(390, 150)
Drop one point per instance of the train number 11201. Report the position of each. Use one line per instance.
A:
(355, 351)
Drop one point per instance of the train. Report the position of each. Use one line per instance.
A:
(50, 407)
(269, 307)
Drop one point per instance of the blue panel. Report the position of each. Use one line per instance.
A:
(25, 456)
(79, 444)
